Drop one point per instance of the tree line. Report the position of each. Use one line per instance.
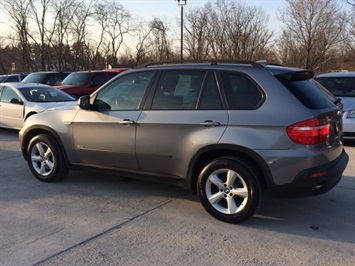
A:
(90, 34)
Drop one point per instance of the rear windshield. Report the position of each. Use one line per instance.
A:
(310, 93)
(339, 86)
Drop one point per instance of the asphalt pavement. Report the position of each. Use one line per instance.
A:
(98, 219)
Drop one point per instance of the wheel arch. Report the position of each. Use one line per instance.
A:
(35, 131)
(207, 154)
(29, 114)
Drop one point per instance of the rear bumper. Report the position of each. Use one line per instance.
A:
(305, 184)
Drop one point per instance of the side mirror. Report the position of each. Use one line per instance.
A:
(84, 102)
(16, 101)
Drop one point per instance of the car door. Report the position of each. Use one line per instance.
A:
(186, 114)
(11, 108)
(105, 136)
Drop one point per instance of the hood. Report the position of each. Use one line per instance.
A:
(38, 108)
(62, 106)
(61, 87)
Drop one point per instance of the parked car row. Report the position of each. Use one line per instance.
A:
(74, 83)
(22, 95)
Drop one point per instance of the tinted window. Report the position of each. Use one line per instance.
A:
(178, 89)
(111, 74)
(339, 86)
(309, 93)
(124, 93)
(241, 92)
(98, 79)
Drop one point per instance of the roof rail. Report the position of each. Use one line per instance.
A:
(266, 63)
(211, 61)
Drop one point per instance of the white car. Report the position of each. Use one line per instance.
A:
(18, 101)
(342, 85)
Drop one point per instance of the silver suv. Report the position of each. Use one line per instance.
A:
(229, 132)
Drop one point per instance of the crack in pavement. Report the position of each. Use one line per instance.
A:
(118, 226)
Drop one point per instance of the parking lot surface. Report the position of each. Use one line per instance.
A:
(97, 219)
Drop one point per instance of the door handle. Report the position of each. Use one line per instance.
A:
(126, 122)
(209, 123)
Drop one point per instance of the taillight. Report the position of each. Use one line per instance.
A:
(311, 131)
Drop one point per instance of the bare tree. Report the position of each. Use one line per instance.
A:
(313, 28)
(79, 33)
(351, 30)
(196, 29)
(64, 11)
(18, 11)
(228, 29)
(161, 45)
(142, 34)
(42, 38)
(115, 23)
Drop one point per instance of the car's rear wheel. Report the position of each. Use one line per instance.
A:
(230, 189)
(45, 159)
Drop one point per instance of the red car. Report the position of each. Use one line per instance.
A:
(86, 82)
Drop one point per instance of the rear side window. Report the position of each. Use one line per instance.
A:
(241, 92)
(309, 93)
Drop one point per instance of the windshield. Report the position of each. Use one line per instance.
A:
(45, 94)
(35, 78)
(339, 86)
(76, 79)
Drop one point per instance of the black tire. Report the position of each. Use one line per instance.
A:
(45, 159)
(230, 189)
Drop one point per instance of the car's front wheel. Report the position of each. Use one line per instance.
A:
(45, 159)
(230, 189)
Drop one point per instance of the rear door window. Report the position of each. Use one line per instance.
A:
(178, 90)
